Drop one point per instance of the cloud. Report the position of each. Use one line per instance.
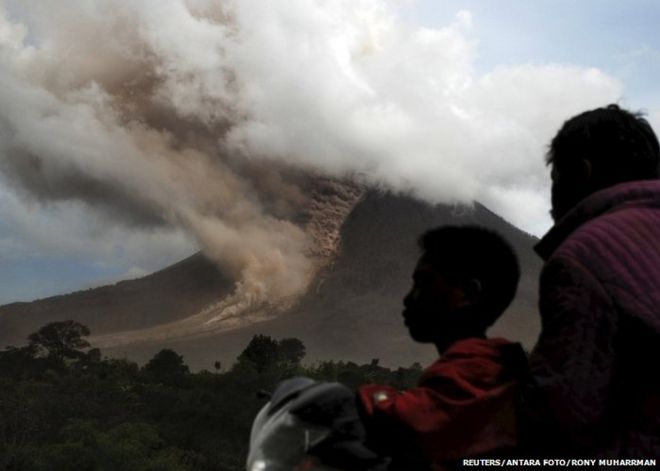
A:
(87, 120)
(654, 118)
(402, 105)
(32, 230)
(194, 117)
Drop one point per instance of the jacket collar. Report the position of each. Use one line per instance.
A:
(640, 193)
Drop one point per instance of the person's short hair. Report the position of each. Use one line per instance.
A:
(474, 252)
(620, 145)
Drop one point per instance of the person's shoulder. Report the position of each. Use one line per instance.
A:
(602, 220)
(601, 239)
(477, 361)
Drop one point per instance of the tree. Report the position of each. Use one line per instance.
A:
(264, 353)
(61, 340)
(291, 352)
(94, 355)
(167, 366)
(261, 353)
(19, 362)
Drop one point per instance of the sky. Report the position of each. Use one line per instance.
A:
(133, 134)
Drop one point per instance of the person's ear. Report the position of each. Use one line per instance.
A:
(467, 293)
(473, 290)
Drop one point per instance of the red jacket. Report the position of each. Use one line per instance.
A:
(464, 405)
(597, 388)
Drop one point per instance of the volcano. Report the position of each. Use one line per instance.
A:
(350, 311)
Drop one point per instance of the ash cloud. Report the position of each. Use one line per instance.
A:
(203, 117)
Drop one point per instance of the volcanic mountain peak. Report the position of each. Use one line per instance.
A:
(364, 244)
(330, 201)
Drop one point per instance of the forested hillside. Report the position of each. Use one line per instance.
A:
(63, 406)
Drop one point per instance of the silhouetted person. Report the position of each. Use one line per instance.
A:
(464, 403)
(596, 390)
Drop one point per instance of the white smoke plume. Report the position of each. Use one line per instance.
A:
(195, 115)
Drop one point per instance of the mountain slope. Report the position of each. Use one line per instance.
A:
(164, 296)
(352, 309)
(181, 297)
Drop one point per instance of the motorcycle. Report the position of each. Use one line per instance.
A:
(311, 426)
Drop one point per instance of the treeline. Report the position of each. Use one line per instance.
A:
(63, 406)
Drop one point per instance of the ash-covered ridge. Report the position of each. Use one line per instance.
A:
(190, 298)
(363, 243)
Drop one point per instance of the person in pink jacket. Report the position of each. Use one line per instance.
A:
(596, 382)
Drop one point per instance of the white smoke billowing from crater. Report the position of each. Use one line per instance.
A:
(88, 115)
(194, 115)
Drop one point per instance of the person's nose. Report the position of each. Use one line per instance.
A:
(408, 298)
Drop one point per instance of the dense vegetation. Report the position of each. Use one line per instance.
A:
(64, 407)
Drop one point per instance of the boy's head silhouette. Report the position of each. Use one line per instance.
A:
(464, 280)
(597, 149)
